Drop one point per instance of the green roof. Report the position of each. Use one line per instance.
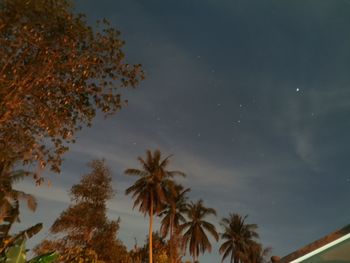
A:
(338, 253)
(333, 248)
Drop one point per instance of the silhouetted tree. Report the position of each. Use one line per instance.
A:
(238, 238)
(83, 230)
(160, 249)
(7, 239)
(55, 73)
(257, 254)
(152, 189)
(9, 196)
(195, 229)
(173, 216)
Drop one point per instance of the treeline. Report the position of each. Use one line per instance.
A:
(84, 233)
(56, 73)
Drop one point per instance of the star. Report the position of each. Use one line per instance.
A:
(297, 90)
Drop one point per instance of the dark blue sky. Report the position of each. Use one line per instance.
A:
(251, 97)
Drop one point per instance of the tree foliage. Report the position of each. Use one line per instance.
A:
(257, 253)
(56, 72)
(195, 236)
(8, 239)
(160, 251)
(9, 196)
(83, 230)
(17, 253)
(174, 211)
(154, 187)
(239, 240)
(173, 216)
(9, 209)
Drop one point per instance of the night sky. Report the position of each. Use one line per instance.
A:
(251, 97)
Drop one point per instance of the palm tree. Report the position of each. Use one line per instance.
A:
(8, 195)
(9, 206)
(151, 191)
(238, 237)
(257, 254)
(196, 227)
(173, 213)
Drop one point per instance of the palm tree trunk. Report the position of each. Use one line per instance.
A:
(171, 241)
(151, 231)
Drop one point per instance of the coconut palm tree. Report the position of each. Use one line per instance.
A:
(152, 189)
(257, 254)
(8, 195)
(195, 229)
(173, 213)
(238, 238)
(9, 206)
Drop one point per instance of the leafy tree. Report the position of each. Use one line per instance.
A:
(56, 72)
(257, 254)
(138, 254)
(173, 216)
(195, 229)
(83, 230)
(72, 254)
(153, 188)
(160, 249)
(238, 238)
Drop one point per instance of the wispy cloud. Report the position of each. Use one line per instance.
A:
(50, 193)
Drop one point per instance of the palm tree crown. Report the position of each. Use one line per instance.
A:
(173, 217)
(257, 254)
(238, 237)
(174, 211)
(154, 184)
(196, 228)
(152, 191)
(8, 195)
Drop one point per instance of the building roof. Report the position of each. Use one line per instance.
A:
(318, 245)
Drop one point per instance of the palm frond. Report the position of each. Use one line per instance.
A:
(31, 200)
(211, 229)
(225, 251)
(136, 172)
(238, 238)
(175, 173)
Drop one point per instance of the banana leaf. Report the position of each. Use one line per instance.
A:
(45, 258)
(16, 253)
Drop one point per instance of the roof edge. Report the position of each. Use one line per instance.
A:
(316, 244)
